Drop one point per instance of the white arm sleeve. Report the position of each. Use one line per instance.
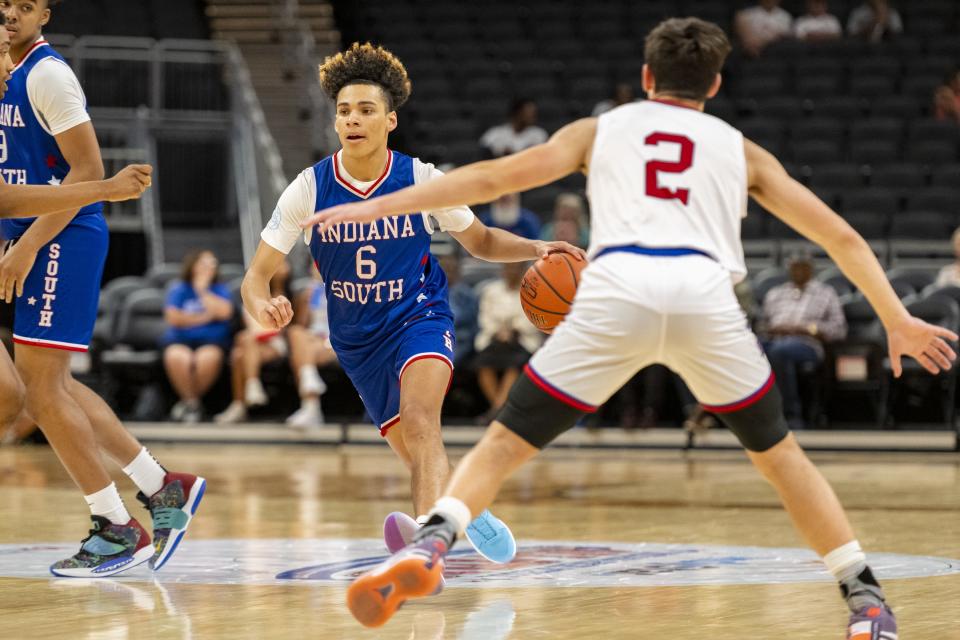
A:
(56, 97)
(296, 203)
(453, 219)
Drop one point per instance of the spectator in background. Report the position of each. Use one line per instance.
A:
(254, 346)
(818, 24)
(465, 307)
(520, 133)
(797, 318)
(506, 339)
(946, 99)
(949, 276)
(569, 221)
(762, 25)
(198, 313)
(622, 94)
(507, 213)
(874, 21)
(310, 348)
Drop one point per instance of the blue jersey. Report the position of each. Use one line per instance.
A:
(28, 153)
(379, 276)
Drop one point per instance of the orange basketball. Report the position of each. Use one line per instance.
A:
(548, 287)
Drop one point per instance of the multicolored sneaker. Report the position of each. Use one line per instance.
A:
(108, 550)
(492, 538)
(398, 530)
(172, 508)
(872, 623)
(413, 572)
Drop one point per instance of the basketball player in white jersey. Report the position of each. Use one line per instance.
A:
(668, 187)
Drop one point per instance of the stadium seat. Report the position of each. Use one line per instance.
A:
(870, 225)
(112, 297)
(939, 199)
(759, 85)
(917, 277)
(871, 86)
(877, 66)
(836, 176)
(922, 225)
(817, 128)
(877, 201)
(814, 152)
(833, 277)
(946, 175)
(844, 108)
(762, 128)
(932, 152)
(817, 87)
(763, 282)
(753, 227)
(933, 130)
(888, 129)
(898, 176)
(779, 230)
(136, 355)
(786, 108)
(897, 106)
(160, 276)
(874, 151)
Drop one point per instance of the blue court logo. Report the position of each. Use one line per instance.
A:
(539, 563)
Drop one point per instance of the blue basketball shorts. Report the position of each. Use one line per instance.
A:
(58, 307)
(378, 373)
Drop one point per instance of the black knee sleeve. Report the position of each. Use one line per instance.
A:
(761, 425)
(535, 415)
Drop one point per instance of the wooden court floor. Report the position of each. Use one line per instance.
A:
(269, 499)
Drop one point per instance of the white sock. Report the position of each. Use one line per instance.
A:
(846, 562)
(254, 392)
(107, 503)
(422, 520)
(310, 403)
(453, 510)
(310, 381)
(146, 473)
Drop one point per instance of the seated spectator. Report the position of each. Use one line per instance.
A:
(506, 339)
(310, 348)
(507, 213)
(254, 346)
(622, 94)
(520, 133)
(874, 21)
(797, 318)
(198, 313)
(569, 218)
(946, 99)
(949, 276)
(818, 24)
(762, 25)
(465, 307)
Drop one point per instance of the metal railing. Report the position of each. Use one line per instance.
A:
(141, 90)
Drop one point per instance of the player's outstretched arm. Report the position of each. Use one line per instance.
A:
(798, 207)
(566, 152)
(271, 312)
(499, 245)
(37, 200)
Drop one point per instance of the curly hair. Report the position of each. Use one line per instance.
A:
(366, 64)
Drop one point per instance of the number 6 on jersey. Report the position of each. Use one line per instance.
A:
(366, 267)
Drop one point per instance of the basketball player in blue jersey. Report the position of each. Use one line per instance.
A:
(390, 322)
(52, 269)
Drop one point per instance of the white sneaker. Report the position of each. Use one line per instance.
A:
(306, 418)
(311, 384)
(236, 412)
(254, 393)
(179, 410)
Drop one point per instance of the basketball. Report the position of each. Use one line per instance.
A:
(548, 288)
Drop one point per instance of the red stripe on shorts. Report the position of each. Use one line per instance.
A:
(557, 393)
(746, 402)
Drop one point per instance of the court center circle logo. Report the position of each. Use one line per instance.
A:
(539, 563)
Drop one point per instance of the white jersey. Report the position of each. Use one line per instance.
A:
(665, 176)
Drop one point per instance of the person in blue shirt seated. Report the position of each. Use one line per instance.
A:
(506, 213)
(198, 312)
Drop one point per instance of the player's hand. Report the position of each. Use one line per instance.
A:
(129, 183)
(275, 313)
(544, 249)
(365, 211)
(924, 342)
(15, 266)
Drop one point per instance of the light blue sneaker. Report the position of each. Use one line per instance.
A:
(492, 538)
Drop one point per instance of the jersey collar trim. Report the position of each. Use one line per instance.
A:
(673, 103)
(352, 189)
(36, 45)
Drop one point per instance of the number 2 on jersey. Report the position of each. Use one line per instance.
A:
(654, 190)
